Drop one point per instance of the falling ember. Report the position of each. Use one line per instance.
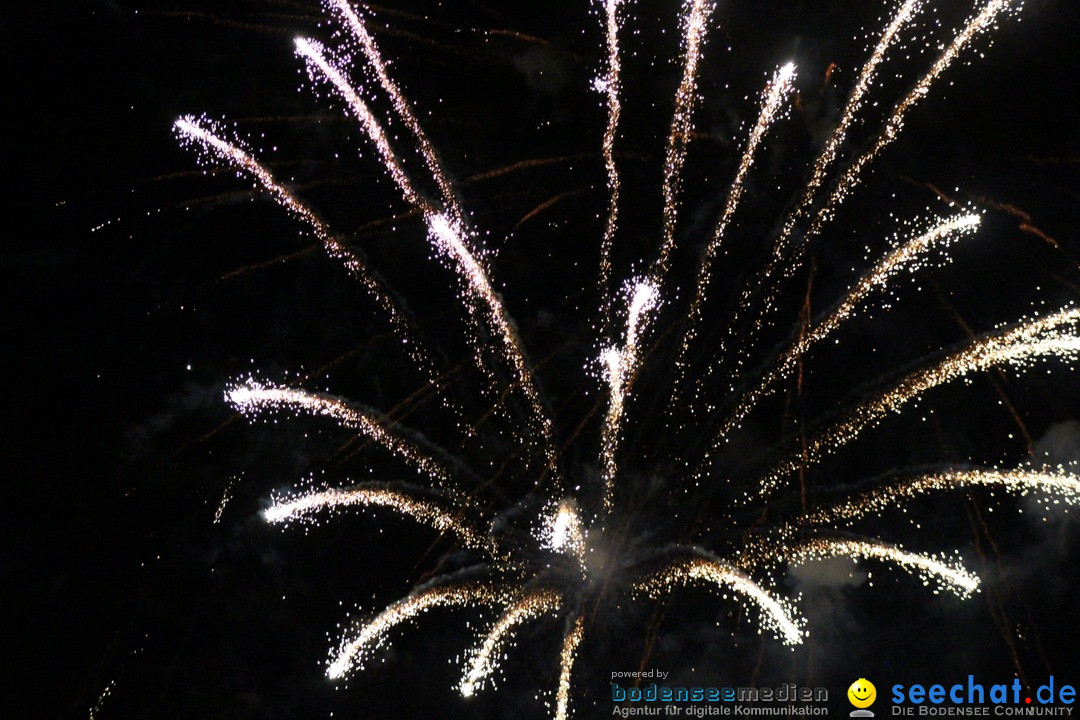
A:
(372, 635)
(566, 665)
(1019, 347)
(951, 577)
(775, 615)
(484, 662)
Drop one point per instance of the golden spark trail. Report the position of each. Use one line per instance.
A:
(401, 104)
(313, 54)
(1019, 347)
(855, 102)
(1058, 485)
(696, 21)
(612, 84)
(566, 666)
(373, 634)
(484, 661)
(773, 98)
(907, 257)
(775, 615)
(253, 397)
(191, 130)
(621, 367)
(378, 495)
(952, 577)
(448, 238)
(893, 126)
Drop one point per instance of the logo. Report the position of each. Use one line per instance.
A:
(862, 694)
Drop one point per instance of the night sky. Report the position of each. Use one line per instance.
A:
(136, 286)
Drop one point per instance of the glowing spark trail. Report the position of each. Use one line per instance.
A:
(952, 577)
(1018, 347)
(855, 102)
(373, 634)
(448, 236)
(906, 257)
(1021, 482)
(621, 366)
(696, 23)
(484, 662)
(401, 104)
(566, 666)
(772, 99)
(189, 128)
(403, 500)
(775, 615)
(612, 86)
(253, 397)
(850, 178)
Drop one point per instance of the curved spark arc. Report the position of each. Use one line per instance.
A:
(566, 665)
(612, 87)
(402, 499)
(952, 577)
(192, 131)
(534, 605)
(775, 94)
(401, 105)
(255, 397)
(449, 238)
(704, 568)
(695, 20)
(906, 257)
(621, 366)
(1043, 338)
(1061, 484)
(372, 635)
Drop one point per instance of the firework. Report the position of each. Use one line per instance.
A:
(575, 547)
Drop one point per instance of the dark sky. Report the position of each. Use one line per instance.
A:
(136, 287)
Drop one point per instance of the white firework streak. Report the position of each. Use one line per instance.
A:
(950, 576)
(404, 501)
(317, 64)
(906, 257)
(1019, 347)
(401, 105)
(484, 662)
(448, 238)
(621, 368)
(612, 86)
(893, 126)
(566, 665)
(775, 614)
(254, 397)
(353, 653)
(776, 92)
(1060, 485)
(855, 102)
(190, 129)
(696, 21)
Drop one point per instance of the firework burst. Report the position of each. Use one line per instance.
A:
(577, 546)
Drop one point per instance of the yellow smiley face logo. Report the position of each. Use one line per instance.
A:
(862, 693)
